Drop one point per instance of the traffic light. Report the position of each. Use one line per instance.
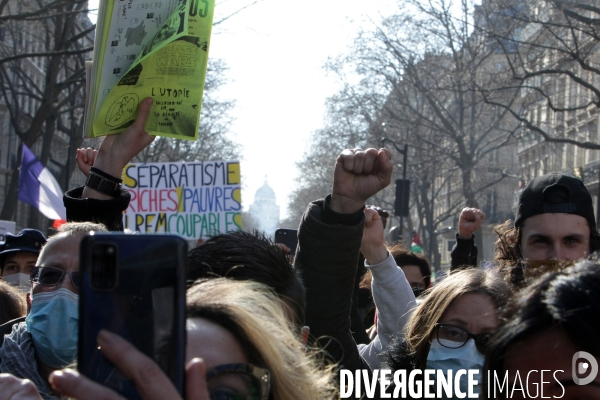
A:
(402, 197)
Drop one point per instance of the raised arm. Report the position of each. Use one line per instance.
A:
(116, 151)
(329, 238)
(392, 293)
(464, 252)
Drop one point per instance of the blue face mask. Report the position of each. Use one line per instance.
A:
(466, 357)
(53, 324)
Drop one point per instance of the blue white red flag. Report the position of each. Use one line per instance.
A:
(39, 188)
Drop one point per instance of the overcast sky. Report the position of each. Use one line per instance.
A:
(276, 50)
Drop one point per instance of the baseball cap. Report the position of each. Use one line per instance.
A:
(555, 193)
(29, 240)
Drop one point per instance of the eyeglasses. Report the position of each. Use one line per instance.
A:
(417, 290)
(238, 382)
(453, 337)
(52, 276)
(534, 269)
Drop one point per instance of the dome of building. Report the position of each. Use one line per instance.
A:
(265, 210)
(265, 194)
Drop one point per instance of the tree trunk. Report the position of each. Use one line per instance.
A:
(10, 202)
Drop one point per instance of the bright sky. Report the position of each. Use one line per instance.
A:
(275, 50)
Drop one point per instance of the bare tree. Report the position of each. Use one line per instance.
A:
(43, 49)
(345, 128)
(414, 79)
(551, 51)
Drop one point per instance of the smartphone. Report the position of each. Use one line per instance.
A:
(134, 286)
(289, 237)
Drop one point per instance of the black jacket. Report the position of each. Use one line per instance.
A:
(327, 255)
(107, 212)
(464, 253)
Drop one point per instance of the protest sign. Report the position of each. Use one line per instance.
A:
(193, 200)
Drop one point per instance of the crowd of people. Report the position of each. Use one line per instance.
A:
(261, 328)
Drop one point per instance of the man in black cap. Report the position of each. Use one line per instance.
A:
(18, 254)
(554, 221)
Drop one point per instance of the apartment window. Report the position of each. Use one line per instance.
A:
(572, 94)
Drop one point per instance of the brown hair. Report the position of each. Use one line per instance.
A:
(12, 303)
(422, 322)
(403, 257)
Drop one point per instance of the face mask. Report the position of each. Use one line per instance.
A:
(466, 357)
(535, 269)
(53, 323)
(19, 280)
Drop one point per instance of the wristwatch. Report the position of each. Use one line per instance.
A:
(103, 185)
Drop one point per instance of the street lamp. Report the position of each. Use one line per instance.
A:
(404, 153)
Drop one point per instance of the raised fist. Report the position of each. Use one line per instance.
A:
(469, 221)
(359, 174)
(85, 159)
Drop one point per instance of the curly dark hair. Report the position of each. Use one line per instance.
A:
(507, 251)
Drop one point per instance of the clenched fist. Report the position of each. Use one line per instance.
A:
(359, 174)
(469, 221)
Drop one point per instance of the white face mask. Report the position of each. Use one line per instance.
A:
(18, 280)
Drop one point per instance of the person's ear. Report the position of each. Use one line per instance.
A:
(304, 332)
(28, 295)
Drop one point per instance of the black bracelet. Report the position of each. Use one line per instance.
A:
(104, 175)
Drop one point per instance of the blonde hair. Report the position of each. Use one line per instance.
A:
(79, 228)
(437, 300)
(254, 315)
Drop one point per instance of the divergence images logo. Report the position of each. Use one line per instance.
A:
(581, 368)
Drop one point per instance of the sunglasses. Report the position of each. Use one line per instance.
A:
(52, 276)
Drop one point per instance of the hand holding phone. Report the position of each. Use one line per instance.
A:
(289, 237)
(134, 286)
(136, 365)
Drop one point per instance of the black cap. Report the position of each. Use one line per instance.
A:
(555, 193)
(29, 240)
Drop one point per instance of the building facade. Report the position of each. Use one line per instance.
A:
(42, 80)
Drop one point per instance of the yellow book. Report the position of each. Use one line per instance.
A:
(155, 49)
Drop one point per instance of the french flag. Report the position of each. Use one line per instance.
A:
(39, 188)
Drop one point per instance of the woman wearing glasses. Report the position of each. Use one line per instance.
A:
(450, 329)
(240, 346)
